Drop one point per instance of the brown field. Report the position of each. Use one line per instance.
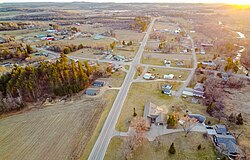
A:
(158, 58)
(59, 131)
(128, 35)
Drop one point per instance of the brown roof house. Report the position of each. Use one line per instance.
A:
(154, 114)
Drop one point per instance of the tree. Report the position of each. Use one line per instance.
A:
(199, 147)
(134, 114)
(232, 118)
(29, 49)
(239, 119)
(130, 43)
(136, 138)
(112, 45)
(66, 50)
(74, 29)
(245, 60)
(172, 149)
(55, 26)
(188, 124)
(123, 43)
(80, 46)
(171, 121)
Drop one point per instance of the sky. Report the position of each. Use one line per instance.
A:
(150, 1)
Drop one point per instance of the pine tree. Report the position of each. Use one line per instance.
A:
(239, 119)
(172, 149)
(134, 114)
(123, 43)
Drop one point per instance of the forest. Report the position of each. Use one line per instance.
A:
(31, 84)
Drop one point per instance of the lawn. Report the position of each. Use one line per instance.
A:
(110, 95)
(186, 148)
(161, 71)
(158, 58)
(116, 79)
(139, 94)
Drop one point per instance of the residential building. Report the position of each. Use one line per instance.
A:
(199, 90)
(200, 118)
(99, 83)
(148, 76)
(154, 114)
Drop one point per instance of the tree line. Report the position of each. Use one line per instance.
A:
(31, 84)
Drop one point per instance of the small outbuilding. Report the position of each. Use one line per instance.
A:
(92, 91)
(99, 83)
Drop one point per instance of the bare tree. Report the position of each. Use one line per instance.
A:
(188, 124)
(136, 138)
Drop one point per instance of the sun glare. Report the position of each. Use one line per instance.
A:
(238, 2)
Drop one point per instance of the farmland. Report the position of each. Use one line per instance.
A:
(58, 131)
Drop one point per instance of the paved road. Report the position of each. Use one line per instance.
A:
(108, 130)
(179, 92)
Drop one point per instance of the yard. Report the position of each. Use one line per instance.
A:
(186, 148)
(116, 79)
(135, 99)
(164, 71)
(158, 59)
(60, 130)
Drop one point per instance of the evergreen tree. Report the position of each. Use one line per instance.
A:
(29, 49)
(239, 119)
(172, 149)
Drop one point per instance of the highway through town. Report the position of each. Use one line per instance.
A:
(99, 150)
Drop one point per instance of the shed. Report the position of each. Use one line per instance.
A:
(98, 83)
(92, 91)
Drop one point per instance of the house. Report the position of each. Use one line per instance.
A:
(154, 114)
(109, 56)
(199, 87)
(168, 76)
(92, 91)
(99, 83)
(98, 37)
(198, 90)
(119, 58)
(161, 119)
(200, 118)
(226, 144)
(207, 45)
(166, 89)
(167, 63)
(148, 76)
(208, 63)
(221, 129)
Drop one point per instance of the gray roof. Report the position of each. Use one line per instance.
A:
(162, 118)
(97, 82)
(199, 117)
(221, 129)
(91, 91)
(149, 110)
(199, 87)
(167, 86)
(228, 141)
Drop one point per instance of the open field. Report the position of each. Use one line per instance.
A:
(116, 78)
(58, 131)
(86, 53)
(135, 99)
(186, 148)
(111, 95)
(128, 35)
(161, 71)
(88, 41)
(158, 58)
